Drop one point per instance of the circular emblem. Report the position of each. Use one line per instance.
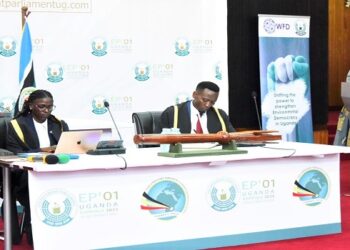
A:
(182, 47)
(218, 71)
(165, 199)
(312, 187)
(25, 93)
(99, 47)
(54, 73)
(269, 25)
(300, 28)
(182, 97)
(222, 195)
(7, 104)
(142, 71)
(56, 208)
(7, 47)
(98, 106)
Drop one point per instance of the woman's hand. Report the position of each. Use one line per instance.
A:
(50, 149)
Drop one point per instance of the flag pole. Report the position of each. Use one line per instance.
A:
(25, 14)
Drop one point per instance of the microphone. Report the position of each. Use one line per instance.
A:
(109, 147)
(252, 143)
(110, 113)
(256, 108)
(50, 159)
(63, 158)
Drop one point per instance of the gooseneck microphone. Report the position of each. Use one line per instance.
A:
(110, 113)
(111, 146)
(253, 143)
(256, 108)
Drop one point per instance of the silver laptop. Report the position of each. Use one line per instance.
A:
(78, 141)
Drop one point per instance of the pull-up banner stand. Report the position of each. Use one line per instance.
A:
(285, 76)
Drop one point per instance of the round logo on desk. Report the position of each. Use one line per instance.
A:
(222, 195)
(165, 199)
(312, 187)
(56, 208)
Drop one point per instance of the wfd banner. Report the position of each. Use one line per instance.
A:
(285, 76)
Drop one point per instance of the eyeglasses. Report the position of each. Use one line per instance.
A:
(42, 107)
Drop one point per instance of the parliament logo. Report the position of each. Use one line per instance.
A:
(54, 73)
(165, 199)
(7, 47)
(182, 47)
(24, 96)
(300, 28)
(7, 104)
(142, 71)
(56, 208)
(218, 71)
(312, 187)
(222, 195)
(98, 106)
(182, 97)
(99, 47)
(269, 25)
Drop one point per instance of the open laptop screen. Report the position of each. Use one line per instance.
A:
(78, 141)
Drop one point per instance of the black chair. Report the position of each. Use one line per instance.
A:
(147, 122)
(17, 228)
(4, 119)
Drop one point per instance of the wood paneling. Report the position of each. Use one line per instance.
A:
(321, 136)
(338, 49)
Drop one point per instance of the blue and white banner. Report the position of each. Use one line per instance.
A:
(285, 76)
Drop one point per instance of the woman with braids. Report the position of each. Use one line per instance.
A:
(34, 129)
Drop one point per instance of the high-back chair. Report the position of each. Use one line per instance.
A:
(4, 119)
(17, 228)
(147, 122)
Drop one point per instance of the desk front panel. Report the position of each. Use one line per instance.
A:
(188, 206)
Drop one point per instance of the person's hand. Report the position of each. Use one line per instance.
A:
(285, 70)
(50, 149)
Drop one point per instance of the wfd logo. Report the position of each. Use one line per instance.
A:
(270, 26)
(282, 26)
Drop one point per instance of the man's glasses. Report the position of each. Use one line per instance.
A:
(42, 107)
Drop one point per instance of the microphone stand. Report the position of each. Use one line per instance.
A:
(256, 109)
(116, 149)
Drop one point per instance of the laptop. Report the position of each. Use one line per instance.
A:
(78, 141)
